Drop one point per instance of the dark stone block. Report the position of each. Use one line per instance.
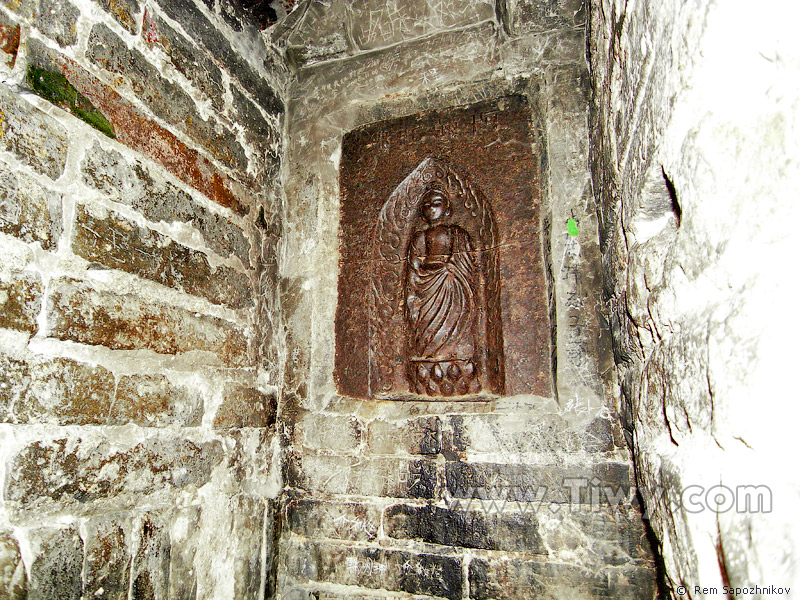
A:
(150, 568)
(495, 579)
(35, 138)
(316, 519)
(421, 482)
(166, 99)
(56, 568)
(108, 561)
(159, 200)
(109, 239)
(44, 473)
(192, 19)
(20, 301)
(13, 579)
(469, 529)
(258, 130)
(244, 406)
(125, 12)
(596, 484)
(374, 568)
(191, 61)
(29, 211)
(545, 15)
(56, 19)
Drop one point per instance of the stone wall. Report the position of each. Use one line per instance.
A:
(140, 147)
(445, 499)
(694, 134)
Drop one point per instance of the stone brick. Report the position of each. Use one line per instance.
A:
(107, 572)
(107, 238)
(329, 432)
(140, 133)
(20, 301)
(29, 211)
(183, 549)
(192, 19)
(152, 401)
(82, 314)
(321, 34)
(263, 134)
(56, 568)
(57, 19)
(56, 89)
(189, 60)
(424, 574)
(13, 580)
(9, 42)
(528, 434)
(415, 436)
(498, 579)
(125, 12)
(248, 530)
(595, 484)
(167, 100)
(526, 16)
(244, 406)
(316, 519)
(150, 565)
(63, 391)
(469, 529)
(81, 475)
(605, 536)
(389, 477)
(376, 24)
(35, 138)
(159, 200)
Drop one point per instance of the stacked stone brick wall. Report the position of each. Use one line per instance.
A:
(694, 116)
(140, 147)
(388, 499)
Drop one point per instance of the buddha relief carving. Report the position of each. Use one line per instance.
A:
(440, 303)
(435, 327)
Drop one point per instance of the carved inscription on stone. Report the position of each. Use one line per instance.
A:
(435, 289)
(442, 293)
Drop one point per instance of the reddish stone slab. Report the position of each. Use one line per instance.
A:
(140, 133)
(480, 158)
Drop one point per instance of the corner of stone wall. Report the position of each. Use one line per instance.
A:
(686, 186)
(140, 213)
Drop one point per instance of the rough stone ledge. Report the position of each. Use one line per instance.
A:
(377, 568)
(78, 312)
(107, 238)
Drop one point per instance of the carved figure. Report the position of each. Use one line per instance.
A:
(440, 303)
(435, 328)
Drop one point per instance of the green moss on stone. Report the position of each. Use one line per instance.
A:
(54, 87)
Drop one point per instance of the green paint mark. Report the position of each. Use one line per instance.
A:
(54, 87)
(572, 227)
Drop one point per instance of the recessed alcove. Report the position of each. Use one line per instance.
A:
(405, 329)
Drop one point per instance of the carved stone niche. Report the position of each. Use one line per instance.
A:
(442, 294)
